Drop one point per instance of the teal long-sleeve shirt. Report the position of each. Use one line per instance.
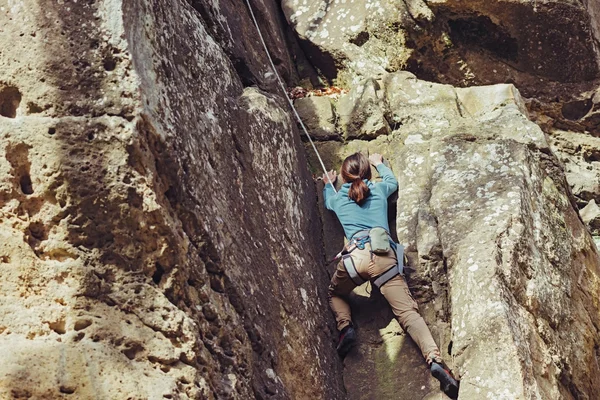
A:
(373, 211)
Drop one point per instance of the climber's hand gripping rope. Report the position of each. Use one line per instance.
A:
(330, 177)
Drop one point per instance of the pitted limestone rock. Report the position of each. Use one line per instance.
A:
(88, 321)
(142, 195)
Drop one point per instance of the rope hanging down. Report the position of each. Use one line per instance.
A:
(285, 90)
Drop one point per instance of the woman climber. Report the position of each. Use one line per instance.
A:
(361, 206)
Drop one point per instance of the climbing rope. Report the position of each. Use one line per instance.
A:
(285, 93)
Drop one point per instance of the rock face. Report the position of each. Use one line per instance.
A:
(453, 41)
(528, 36)
(580, 154)
(318, 117)
(360, 113)
(549, 50)
(354, 39)
(590, 214)
(159, 228)
(506, 274)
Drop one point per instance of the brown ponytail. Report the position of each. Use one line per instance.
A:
(355, 168)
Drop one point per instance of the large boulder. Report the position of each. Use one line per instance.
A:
(506, 273)
(356, 39)
(159, 228)
(533, 44)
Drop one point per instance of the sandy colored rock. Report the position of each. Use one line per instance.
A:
(479, 101)
(145, 195)
(160, 231)
(409, 101)
(580, 154)
(359, 38)
(470, 42)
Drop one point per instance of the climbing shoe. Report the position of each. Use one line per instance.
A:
(448, 384)
(347, 340)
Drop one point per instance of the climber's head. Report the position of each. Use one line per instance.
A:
(355, 168)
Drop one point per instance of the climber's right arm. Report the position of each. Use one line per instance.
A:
(328, 196)
(328, 190)
(390, 183)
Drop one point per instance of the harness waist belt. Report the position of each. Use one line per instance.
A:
(360, 234)
(358, 240)
(382, 279)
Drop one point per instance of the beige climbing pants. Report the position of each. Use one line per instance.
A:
(395, 291)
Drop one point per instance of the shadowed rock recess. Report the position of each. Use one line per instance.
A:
(162, 237)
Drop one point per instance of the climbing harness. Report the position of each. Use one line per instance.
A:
(351, 269)
(291, 103)
(398, 269)
(371, 236)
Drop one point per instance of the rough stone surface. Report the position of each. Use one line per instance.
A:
(553, 40)
(506, 273)
(590, 214)
(550, 50)
(159, 229)
(580, 154)
(411, 102)
(579, 113)
(229, 23)
(362, 38)
(318, 117)
(160, 232)
(453, 41)
(360, 112)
